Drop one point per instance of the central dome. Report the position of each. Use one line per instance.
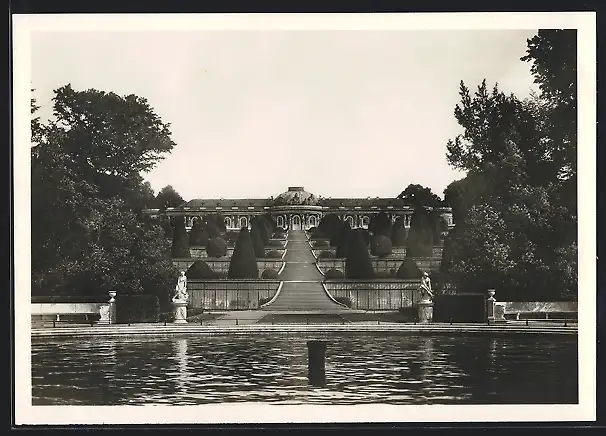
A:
(296, 195)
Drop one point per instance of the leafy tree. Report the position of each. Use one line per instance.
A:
(518, 233)
(243, 264)
(180, 246)
(168, 197)
(357, 263)
(87, 185)
(419, 195)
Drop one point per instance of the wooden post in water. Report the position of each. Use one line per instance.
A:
(316, 355)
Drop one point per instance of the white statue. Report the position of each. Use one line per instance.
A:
(425, 288)
(181, 288)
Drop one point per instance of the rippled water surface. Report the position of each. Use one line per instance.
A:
(401, 369)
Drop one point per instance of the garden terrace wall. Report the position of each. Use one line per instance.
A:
(200, 252)
(272, 241)
(230, 294)
(222, 265)
(316, 251)
(375, 294)
(381, 265)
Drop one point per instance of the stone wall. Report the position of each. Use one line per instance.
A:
(375, 294)
(230, 294)
(382, 265)
(221, 265)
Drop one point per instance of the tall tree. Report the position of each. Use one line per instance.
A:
(419, 195)
(87, 185)
(519, 231)
(168, 197)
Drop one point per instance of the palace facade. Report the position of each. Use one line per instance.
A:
(296, 209)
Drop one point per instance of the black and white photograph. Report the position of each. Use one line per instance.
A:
(304, 218)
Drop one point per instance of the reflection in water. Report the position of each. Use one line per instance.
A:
(402, 369)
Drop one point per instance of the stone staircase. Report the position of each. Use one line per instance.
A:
(302, 288)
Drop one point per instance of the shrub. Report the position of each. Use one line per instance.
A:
(270, 273)
(409, 270)
(273, 254)
(342, 240)
(420, 234)
(198, 236)
(326, 255)
(271, 221)
(243, 264)
(334, 274)
(312, 230)
(380, 246)
(275, 243)
(358, 264)
(180, 245)
(214, 231)
(216, 247)
(200, 270)
(231, 235)
(344, 300)
(330, 225)
(321, 243)
(382, 275)
(257, 239)
(137, 308)
(399, 234)
(380, 224)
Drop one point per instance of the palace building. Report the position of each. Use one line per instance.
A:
(296, 209)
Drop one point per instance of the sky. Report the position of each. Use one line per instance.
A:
(342, 113)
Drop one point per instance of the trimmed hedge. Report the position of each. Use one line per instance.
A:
(357, 263)
(342, 241)
(270, 273)
(275, 243)
(216, 247)
(256, 236)
(243, 264)
(180, 245)
(409, 270)
(399, 234)
(198, 236)
(334, 274)
(321, 243)
(137, 308)
(273, 254)
(211, 226)
(200, 270)
(380, 246)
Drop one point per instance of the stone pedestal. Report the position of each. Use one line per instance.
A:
(179, 312)
(425, 311)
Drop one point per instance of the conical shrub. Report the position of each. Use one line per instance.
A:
(198, 236)
(180, 245)
(257, 239)
(200, 270)
(357, 263)
(243, 264)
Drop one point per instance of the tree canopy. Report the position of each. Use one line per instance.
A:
(515, 211)
(88, 193)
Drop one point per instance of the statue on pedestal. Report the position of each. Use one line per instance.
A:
(181, 288)
(425, 288)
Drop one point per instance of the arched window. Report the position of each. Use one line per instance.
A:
(228, 223)
(312, 221)
(365, 221)
(351, 221)
(280, 221)
(243, 222)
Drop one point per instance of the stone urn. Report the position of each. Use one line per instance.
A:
(112, 296)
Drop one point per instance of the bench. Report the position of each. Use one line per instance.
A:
(71, 312)
(537, 311)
